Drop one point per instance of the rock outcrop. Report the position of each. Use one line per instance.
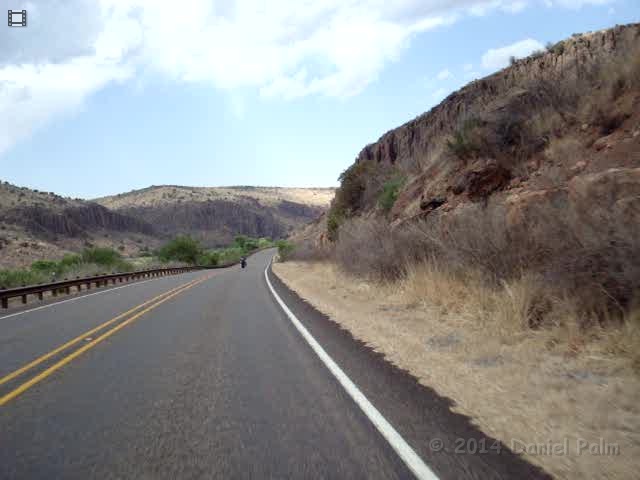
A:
(73, 221)
(559, 128)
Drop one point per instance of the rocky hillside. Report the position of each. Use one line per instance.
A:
(216, 214)
(560, 127)
(42, 225)
(531, 172)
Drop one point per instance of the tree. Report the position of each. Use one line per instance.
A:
(181, 249)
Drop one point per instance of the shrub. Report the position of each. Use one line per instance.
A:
(285, 249)
(241, 240)
(17, 278)
(209, 259)
(608, 122)
(45, 266)
(390, 192)
(334, 220)
(250, 244)
(537, 54)
(594, 266)
(70, 260)
(465, 143)
(307, 250)
(370, 248)
(101, 256)
(182, 249)
(229, 255)
(264, 243)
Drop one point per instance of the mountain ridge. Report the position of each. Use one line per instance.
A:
(43, 225)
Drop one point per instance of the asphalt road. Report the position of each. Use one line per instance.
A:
(209, 381)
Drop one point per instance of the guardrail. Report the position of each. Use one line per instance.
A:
(65, 286)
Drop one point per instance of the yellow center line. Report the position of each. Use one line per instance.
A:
(41, 376)
(84, 335)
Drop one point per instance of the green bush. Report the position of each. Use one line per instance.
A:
(335, 218)
(240, 241)
(230, 254)
(101, 256)
(264, 243)
(209, 259)
(390, 191)
(250, 245)
(181, 249)
(45, 266)
(70, 260)
(285, 249)
(17, 278)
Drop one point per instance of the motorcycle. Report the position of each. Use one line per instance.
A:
(243, 263)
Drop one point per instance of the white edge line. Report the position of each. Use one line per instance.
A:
(401, 447)
(73, 299)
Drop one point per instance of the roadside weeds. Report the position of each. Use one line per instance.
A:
(518, 384)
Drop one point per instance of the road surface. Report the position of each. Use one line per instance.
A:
(202, 375)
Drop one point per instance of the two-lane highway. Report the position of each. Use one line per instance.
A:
(211, 383)
(213, 374)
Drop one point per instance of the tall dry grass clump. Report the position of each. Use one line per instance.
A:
(556, 269)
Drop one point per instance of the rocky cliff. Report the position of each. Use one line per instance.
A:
(564, 117)
(216, 214)
(73, 221)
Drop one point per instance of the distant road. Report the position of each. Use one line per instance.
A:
(202, 375)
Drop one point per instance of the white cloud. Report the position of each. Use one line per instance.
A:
(497, 58)
(575, 4)
(467, 67)
(444, 74)
(281, 48)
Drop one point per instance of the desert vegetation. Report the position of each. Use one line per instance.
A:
(579, 261)
(91, 261)
(509, 254)
(182, 250)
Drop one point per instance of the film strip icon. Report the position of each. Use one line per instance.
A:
(17, 18)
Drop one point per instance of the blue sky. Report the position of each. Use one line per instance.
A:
(234, 95)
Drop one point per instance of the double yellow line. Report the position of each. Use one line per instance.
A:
(150, 305)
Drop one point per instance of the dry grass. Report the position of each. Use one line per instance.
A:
(471, 342)
(590, 257)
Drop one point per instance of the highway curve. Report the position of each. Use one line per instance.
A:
(202, 375)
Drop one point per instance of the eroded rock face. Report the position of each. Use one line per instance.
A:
(299, 210)
(566, 167)
(482, 181)
(422, 137)
(213, 221)
(75, 221)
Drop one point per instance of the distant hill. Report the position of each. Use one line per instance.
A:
(215, 214)
(38, 225)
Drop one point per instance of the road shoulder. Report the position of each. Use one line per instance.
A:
(444, 439)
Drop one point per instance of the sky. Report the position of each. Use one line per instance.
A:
(99, 97)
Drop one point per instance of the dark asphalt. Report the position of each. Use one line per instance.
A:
(215, 383)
